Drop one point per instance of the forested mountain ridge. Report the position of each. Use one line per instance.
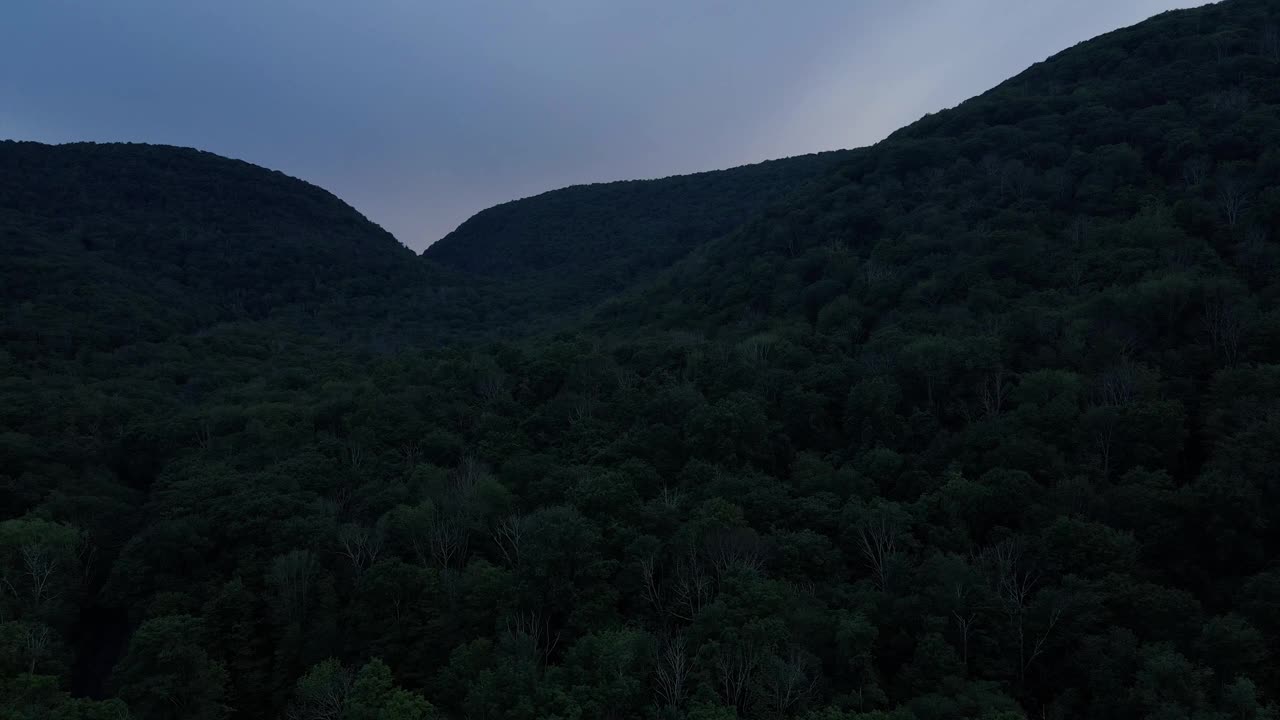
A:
(569, 248)
(981, 424)
(200, 240)
(1172, 116)
(139, 242)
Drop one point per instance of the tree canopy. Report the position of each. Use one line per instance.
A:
(979, 422)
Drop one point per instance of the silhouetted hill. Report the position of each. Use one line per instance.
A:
(569, 248)
(1149, 151)
(139, 241)
(979, 422)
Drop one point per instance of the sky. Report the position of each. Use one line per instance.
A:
(422, 112)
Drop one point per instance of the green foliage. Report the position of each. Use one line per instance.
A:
(329, 690)
(980, 422)
(167, 673)
(564, 250)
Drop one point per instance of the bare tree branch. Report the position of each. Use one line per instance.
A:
(672, 673)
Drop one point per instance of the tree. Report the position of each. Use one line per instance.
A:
(1231, 647)
(322, 693)
(39, 568)
(736, 668)
(1168, 682)
(330, 691)
(1225, 325)
(871, 412)
(993, 392)
(788, 682)
(29, 646)
(1014, 579)
(507, 533)
(671, 677)
(933, 359)
(291, 576)
(374, 696)
(360, 546)
(608, 672)
(1233, 198)
(881, 530)
(166, 672)
(934, 665)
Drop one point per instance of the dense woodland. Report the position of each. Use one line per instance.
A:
(979, 422)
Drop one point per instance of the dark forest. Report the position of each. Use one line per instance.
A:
(982, 421)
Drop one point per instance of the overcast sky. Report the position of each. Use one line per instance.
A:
(422, 112)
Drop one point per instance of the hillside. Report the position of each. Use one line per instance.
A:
(120, 242)
(570, 248)
(107, 245)
(978, 422)
(1171, 123)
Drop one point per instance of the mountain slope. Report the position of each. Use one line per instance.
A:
(1175, 117)
(570, 248)
(142, 241)
(981, 424)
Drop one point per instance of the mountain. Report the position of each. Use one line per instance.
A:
(1168, 126)
(568, 249)
(111, 244)
(179, 240)
(978, 422)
